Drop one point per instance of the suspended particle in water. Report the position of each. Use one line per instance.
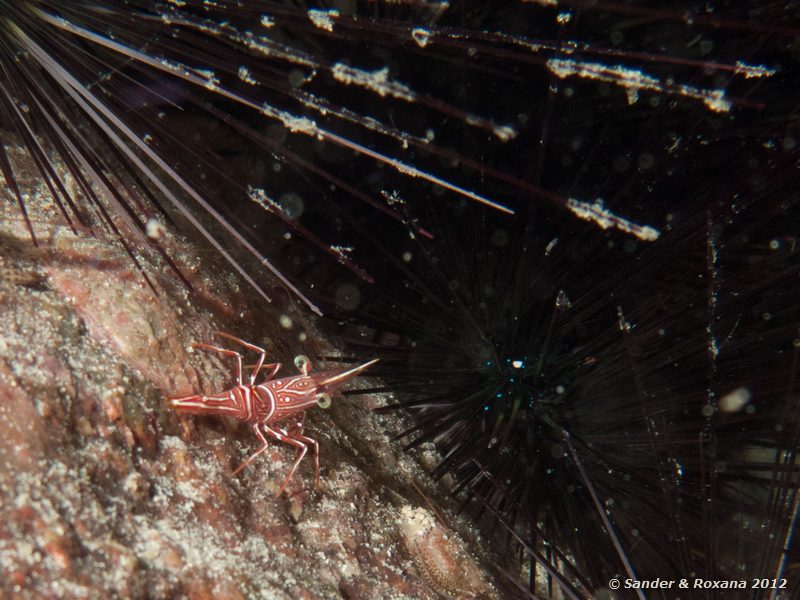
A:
(348, 297)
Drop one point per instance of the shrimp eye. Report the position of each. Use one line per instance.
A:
(324, 400)
(302, 363)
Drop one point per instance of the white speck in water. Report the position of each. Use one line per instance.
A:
(605, 219)
(246, 76)
(421, 36)
(323, 18)
(750, 71)
(154, 229)
(377, 81)
(734, 401)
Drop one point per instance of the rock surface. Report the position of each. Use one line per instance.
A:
(106, 493)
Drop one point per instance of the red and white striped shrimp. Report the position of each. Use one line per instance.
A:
(275, 407)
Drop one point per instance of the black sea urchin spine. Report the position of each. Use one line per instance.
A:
(160, 93)
(630, 409)
(615, 382)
